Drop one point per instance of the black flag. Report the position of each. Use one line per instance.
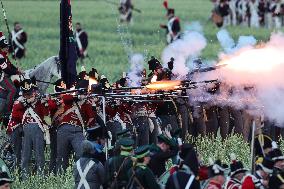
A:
(67, 54)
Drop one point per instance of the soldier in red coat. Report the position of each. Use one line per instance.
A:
(29, 111)
(71, 119)
(6, 70)
(217, 176)
(237, 174)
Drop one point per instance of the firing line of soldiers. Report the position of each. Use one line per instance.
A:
(252, 13)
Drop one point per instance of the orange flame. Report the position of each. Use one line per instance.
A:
(256, 60)
(164, 85)
(92, 81)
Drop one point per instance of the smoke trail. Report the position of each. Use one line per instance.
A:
(183, 50)
(136, 66)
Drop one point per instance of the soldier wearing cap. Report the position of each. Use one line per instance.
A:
(173, 26)
(263, 171)
(97, 136)
(5, 180)
(59, 86)
(185, 175)
(276, 181)
(118, 166)
(277, 157)
(217, 175)
(72, 119)
(237, 174)
(29, 111)
(7, 69)
(88, 171)
(141, 175)
(160, 153)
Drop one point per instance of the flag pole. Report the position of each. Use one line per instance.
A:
(252, 147)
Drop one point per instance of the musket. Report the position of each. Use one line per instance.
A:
(8, 28)
(65, 92)
(190, 82)
(208, 69)
(114, 3)
(127, 88)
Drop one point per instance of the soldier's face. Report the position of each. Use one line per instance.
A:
(147, 160)
(221, 179)
(78, 27)
(279, 164)
(164, 147)
(18, 27)
(5, 186)
(5, 50)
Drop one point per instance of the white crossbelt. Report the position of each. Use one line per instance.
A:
(189, 183)
(15, 39)
(83, 174)
(78, 39)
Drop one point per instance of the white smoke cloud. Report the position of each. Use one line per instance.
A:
(228, 44)
(136, 66)
(182, 50)
(260, 67)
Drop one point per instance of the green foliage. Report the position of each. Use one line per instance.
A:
(217, 148)
(64, 181)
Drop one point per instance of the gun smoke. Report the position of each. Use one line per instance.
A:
(136, 66)
(184, 49)
(253, 78)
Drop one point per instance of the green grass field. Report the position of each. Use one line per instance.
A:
(41, 21)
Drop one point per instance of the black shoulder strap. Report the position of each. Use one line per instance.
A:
(176, 183)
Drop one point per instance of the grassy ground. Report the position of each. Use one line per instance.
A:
(41, 20)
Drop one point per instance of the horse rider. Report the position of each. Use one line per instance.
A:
(7, 69)
(173, 26)
(30, 111)
(82, 41)
(140, 175)
(88, 171)
(71, 118)
(125, 10)
(116, 167)
(19, 38)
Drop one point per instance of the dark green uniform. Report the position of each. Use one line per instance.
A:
(144, 177)
(122, 162)
(159, 158)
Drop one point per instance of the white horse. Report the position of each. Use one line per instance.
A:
(44, 72)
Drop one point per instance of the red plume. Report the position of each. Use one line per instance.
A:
(165, 3)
